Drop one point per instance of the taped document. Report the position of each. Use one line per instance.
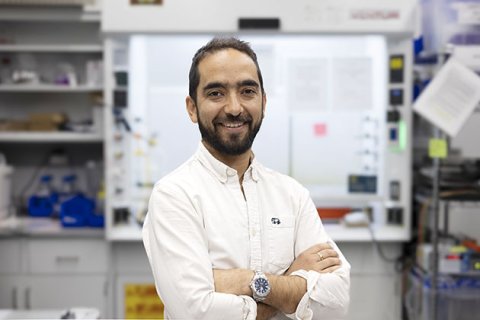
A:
(450, 98)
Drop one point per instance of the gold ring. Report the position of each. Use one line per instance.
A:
(321, 256)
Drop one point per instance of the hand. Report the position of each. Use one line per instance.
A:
(233, 281)
(265, 312)
(320, 257)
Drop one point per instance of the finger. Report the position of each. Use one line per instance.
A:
(326, 253)
(329, 262)
(319, 266)
(330, 269)
(318, 247)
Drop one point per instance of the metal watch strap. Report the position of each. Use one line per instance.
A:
(259, 275)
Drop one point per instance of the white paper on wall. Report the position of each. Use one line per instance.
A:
(307, 84)
(266, 60)
(450, 98)
(352, 83)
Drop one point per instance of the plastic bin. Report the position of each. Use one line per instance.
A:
(458, 298)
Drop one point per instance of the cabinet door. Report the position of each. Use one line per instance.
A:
(66, 291)
(11, 288)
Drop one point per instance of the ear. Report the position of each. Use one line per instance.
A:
(191, 109)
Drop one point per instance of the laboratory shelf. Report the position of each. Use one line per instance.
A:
(81, 48)
(48, 88)
(37, 137)
(44, 227)
(47, 14)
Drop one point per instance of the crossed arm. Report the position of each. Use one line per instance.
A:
(286, 290)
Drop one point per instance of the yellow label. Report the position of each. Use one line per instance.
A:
(437, 148)
(396, 63)
(142, 302)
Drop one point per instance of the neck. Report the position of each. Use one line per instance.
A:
(238, 162)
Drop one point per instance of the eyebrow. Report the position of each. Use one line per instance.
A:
(244, 83)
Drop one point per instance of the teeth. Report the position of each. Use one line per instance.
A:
(233, 125)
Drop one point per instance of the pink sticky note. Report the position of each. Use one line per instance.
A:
(320, 129)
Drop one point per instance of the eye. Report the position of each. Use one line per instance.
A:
(249, 91)
(214, 94)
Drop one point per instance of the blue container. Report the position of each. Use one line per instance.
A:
(40, 206)
(96, 221)
(75, 211)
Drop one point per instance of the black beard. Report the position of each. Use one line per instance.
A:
(234, 146)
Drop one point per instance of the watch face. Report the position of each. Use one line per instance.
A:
(261, 286)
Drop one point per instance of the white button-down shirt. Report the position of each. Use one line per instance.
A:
(198, 220)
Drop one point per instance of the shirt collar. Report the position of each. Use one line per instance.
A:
(221, 170)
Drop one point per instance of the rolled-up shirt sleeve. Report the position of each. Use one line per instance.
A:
(328, 294)
(177, 249)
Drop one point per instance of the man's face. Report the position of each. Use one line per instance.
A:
(230, 103)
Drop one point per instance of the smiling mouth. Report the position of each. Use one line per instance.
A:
(233, 125)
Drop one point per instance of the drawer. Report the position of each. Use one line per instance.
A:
(10, 259)
(67, 256)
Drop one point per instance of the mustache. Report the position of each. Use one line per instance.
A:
(230, 118)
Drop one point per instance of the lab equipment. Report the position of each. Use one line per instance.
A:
(66, 191)
(76, 210)
(459, 298)
(330, 85)
(42, 203)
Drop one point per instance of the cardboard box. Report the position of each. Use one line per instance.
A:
(48, 117)
(14, 125)
(42, 126)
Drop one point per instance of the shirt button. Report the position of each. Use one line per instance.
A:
(230, 172)
(254, 233)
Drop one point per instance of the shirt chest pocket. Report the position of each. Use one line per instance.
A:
(281, 230)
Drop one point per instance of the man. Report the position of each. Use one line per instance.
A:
(226, 237)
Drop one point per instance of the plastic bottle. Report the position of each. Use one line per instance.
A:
(96, 186)
(68, 188)
(45, 189)
(41, 204)
(75, 208)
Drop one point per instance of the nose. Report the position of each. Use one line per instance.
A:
(233, 106)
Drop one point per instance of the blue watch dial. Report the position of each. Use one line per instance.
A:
(261, 286)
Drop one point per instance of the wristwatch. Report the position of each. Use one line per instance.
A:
(260, 286)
